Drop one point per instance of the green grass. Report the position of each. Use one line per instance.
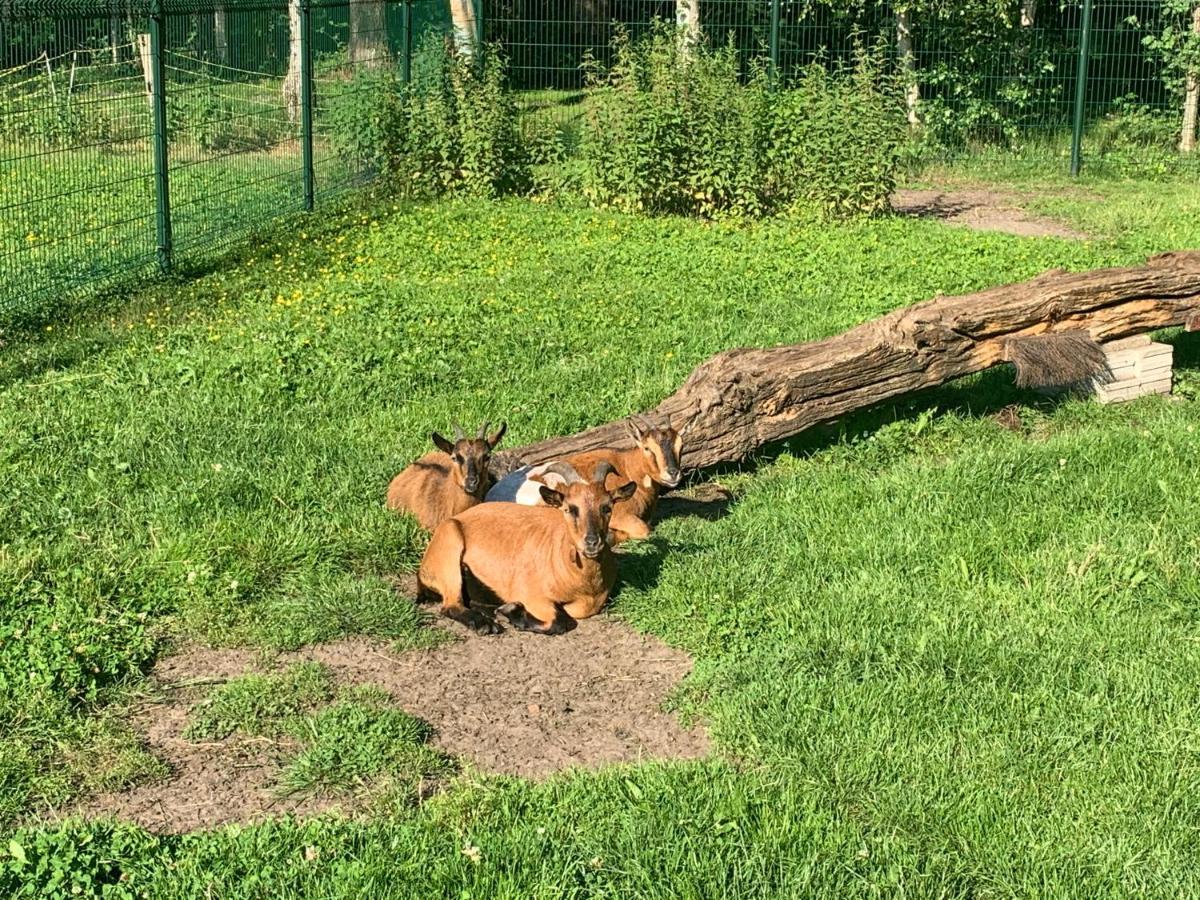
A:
(257, 705)
(354, 741)
(939, 658)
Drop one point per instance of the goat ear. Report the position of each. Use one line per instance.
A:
(625, 491)
(550, 496)
(499, 433)
(441, 443)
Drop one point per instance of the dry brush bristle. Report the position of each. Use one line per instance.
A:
(1056, 360)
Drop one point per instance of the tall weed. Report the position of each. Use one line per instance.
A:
(453, 129)
(686, 130)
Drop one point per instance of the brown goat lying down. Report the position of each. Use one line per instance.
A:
(447, 481)
(652, 463)
(547, 565)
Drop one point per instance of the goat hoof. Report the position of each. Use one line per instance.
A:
(487, 626)
(508, 609)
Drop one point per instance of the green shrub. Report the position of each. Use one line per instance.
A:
(686, 131)
(452, 129)
(1134, 126)
(219, 117)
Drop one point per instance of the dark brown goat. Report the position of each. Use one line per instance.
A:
(447, 481)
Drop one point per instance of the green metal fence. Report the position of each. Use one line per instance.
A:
(140, 134)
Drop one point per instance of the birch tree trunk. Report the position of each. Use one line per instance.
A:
(462, 16)
(291, 83)
(221, 35)
(114, 34)
(908, 64)
(687, 18)
(1191, 97)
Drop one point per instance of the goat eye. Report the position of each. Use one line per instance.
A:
(573, 510)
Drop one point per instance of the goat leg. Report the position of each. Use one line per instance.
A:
(522, 620)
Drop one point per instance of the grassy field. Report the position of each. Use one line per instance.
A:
(939, 657)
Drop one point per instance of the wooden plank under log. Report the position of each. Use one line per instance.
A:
(741, 399)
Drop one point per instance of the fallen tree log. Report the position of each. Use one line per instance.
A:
(741, 399)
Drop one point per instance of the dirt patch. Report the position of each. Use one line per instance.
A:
(514, 703)
(979, 209)
(211, 783)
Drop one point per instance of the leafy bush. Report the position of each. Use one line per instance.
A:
(1136, 126)
(216, 118)
(452, 129)
(675, 130)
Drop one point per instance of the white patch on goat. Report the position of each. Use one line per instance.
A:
(530, 493)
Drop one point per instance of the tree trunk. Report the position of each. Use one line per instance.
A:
(687, 19)
(221, 34)
(114, 35)
(462, 16)
(1028, 13)
(1191, 98)
(741, 399)
(908, 64)
(368, 34)
(291, 82)
(143, 43)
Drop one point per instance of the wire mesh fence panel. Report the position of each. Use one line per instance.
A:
(233, 115)
(136, 131)
(76, 175)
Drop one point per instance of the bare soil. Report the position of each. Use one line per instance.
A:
(513, 703)
(982, 210)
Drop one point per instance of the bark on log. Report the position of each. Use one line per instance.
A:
(741, 399)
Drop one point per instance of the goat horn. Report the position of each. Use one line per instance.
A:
(483, 430)
(602, 471)
(563, 469)
(458, 432)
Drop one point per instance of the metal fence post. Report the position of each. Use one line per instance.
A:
(478, 26)
(406, 58)
(306, 101)
(1085, 41)
(774, 42)
(158, 98)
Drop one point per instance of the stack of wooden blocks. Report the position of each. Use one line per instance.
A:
(1138, 367)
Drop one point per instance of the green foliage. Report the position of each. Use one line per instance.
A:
(674, 129)
(1177, 43)
(219, 117)
(454, 129)
(257, 705)
(358, 739)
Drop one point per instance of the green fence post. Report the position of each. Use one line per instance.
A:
(774, 42)
(306, 101)
(1085, 40)
(406, 59)
(158, 98)
(478, 26)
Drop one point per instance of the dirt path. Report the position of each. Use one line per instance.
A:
(982, 210)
